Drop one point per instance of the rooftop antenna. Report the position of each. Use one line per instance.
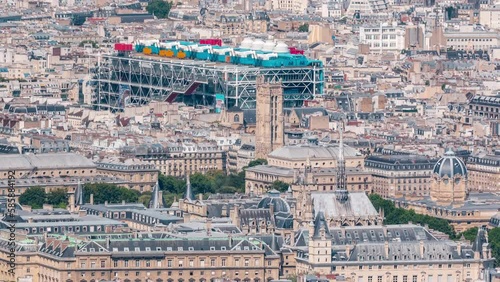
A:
(341, 192)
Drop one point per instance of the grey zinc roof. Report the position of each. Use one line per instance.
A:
(357, 205)
(44, 161)
(313, 152)
(275, 170)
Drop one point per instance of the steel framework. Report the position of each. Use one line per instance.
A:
(120, 81)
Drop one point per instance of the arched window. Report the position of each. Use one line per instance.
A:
(236, 118)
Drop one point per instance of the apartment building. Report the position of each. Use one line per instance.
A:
(397, 176)
(180, 159)
(383, 38)
(490, 16)
(471, 38)
(145, 257)
(294, 6)
(392, 253)
(484, 173)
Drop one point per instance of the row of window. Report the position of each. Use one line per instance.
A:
(213, 262)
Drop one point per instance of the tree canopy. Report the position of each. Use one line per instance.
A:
(494, 241)
(159, 8)
(34, 197)
(256, 163)
(304, 28)
(58, 198)
(111, 193)
(280, 186)
(394, 215)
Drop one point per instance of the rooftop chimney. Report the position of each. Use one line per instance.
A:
(209, 226)
(82, 213)
(91, 199)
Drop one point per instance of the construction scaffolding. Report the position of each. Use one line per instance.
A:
(133, 80)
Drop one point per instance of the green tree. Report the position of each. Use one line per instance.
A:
(280, 186)
(201, 183)
(78, 20)
(171, 184)
(111, 193)
(170, 197)
(494, 241)
(394, 215)
(257, 162)
(304, 28)
(34, 197)
(58, 198)
(159, 8)
(145, 198)
(469, 234)
(94, 44)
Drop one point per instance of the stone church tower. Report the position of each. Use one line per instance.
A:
(449, 181)
(269, 115)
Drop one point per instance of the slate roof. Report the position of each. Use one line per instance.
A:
(45, 161)
(357, 205)
(329, 152)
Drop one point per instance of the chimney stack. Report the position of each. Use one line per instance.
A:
(160, 198)
(82, 213)
(91, 199)
(71, 203)
(209, 226)
(422, 249)
(200, 197)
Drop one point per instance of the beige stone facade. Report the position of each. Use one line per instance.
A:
(180, 159)
(400, 176)
(484, 173)
(140, 175)
(383, 258)
(270, 122)
(94, 262)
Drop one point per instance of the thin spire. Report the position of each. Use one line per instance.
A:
(79, 194)
(341, 191)
(189, 193)
(155, 197)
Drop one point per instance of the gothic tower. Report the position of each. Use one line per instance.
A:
(269, 115)
(341, 191)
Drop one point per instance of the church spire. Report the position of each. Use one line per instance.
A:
(189, 193)
(341, 191)
(156, 200)
(79, 194)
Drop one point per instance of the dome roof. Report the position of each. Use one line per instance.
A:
(269, 46)
(450, 165)
(246, 43)
(279, 205)
(257, 44)
(281, 47)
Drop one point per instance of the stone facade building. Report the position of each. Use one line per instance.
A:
(180, 159)
(270, 123)
(150, 257)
